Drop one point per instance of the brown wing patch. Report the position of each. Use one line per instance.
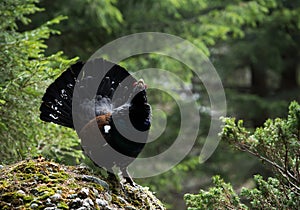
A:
(101, 120)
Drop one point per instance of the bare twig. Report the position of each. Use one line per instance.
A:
(280, 169)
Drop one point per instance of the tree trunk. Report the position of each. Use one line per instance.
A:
(289, 79)
(289, 71)
(258, 80)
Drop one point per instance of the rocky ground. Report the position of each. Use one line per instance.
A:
(41, 184)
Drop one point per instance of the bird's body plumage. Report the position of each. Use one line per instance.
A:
(116, 100)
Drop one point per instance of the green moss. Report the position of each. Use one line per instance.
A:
(62, 205)
(45, 192)
(28, 198)
(40, 179)
(3, 185)
(116, 201)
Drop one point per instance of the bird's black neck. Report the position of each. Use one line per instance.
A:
(139, 99)
(140, 112)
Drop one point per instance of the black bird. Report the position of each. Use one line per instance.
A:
(119, 108)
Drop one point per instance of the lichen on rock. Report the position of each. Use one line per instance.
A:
(41, 184)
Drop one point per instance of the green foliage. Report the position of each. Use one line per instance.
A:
(90, 24)
(271, 194)
(269, 45)
(222, 196)
(277, 144)
(25, 73)
(211, 22)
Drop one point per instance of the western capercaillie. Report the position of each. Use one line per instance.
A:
(119, 96)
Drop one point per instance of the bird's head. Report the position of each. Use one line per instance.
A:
(139, 85)
(139, 92)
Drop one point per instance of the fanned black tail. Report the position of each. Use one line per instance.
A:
(57, 101)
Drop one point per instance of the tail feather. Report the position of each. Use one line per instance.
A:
(50, 116)
(113, 79)
(63, 107)
(57, 101)
(105, 87)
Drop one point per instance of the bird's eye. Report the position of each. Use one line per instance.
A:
(134, 84)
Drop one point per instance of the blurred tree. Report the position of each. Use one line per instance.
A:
(89, 25)
(24, 74)
(253, 44)
(261, 67)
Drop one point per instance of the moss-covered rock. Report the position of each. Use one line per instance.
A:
(41, 184)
